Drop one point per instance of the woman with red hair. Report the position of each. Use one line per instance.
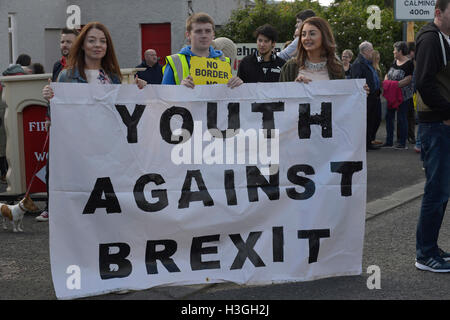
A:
(92, 59)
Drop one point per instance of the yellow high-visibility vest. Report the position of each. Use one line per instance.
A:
(179, 65)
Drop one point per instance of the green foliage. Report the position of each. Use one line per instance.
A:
(281, 15)
(348, 19)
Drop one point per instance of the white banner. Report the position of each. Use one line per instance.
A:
(132, 207)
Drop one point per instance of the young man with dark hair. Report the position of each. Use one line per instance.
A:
(433, 106)
(264, 65)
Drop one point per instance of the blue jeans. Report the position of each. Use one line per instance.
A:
(435, 142)
(402, 122)
(418, 136)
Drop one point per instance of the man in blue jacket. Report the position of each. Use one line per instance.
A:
(200, 33)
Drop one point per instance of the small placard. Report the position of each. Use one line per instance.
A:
(210, 71)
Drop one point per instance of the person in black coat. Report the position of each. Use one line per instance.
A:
(153, 70)
(362, 69)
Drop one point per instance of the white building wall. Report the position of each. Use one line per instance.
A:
(32, 17)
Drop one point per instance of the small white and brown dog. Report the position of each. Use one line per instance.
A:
(15, 213)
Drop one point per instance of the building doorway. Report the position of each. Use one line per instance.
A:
(156, 36)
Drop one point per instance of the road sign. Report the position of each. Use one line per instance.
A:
(414, 10)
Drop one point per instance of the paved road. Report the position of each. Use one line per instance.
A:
(389, 244)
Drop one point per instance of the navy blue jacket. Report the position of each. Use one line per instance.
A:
(152, 75)
(360, 70)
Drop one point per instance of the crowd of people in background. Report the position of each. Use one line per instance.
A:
(310, 56)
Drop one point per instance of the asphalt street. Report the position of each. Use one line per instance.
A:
(389, 244)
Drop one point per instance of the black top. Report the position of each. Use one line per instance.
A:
(398, 73)
(252, 70)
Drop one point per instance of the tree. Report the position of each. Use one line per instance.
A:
(281, 15)
(348, 19)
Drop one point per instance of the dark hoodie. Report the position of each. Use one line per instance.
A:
(432, 75)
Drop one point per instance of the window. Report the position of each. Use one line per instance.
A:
(12, 41)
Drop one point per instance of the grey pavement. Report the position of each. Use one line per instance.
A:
(394, 190)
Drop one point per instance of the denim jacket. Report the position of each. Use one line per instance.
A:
(74, 77)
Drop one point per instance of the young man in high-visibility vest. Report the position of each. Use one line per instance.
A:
(200, 33)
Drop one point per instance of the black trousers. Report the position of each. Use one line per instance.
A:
(411, 121)
(373, 116)
(377, 120)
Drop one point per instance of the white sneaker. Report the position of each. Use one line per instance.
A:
(43, 217)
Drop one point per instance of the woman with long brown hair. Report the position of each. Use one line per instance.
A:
(93, 50)
(316, 54)
(92, 59)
